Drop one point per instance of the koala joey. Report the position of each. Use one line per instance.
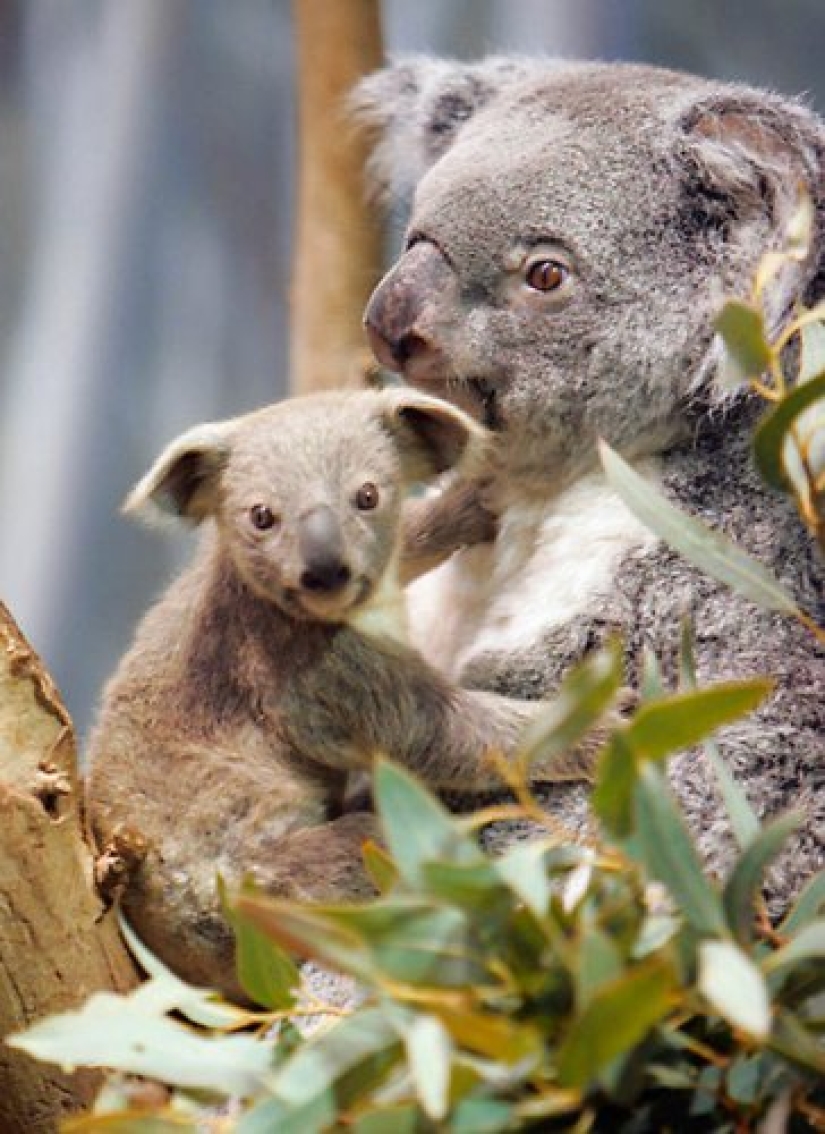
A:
(572, 229)
(277, 664)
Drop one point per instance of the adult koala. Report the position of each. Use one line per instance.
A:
(573, 228)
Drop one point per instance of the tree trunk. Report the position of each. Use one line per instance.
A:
(57, 945)
(337, 254)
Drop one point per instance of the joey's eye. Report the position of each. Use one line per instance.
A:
(546, 275)
(366, 497)
(262, 517)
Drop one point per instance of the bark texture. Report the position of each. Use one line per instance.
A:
(337, 254)
(57, 944)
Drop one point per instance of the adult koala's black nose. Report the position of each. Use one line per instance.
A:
(403, 313)
(321, 547)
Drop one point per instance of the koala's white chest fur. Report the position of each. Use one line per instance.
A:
(552, 560)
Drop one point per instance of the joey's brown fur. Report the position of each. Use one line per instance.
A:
(277, 664)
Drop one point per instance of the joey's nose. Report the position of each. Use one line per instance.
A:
(325, 577)
(321, 547)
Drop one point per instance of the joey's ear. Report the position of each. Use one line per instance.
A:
(746, 157)
(433, 436)
(417, 105)
(183, 481)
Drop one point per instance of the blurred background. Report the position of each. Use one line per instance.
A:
(146, 185)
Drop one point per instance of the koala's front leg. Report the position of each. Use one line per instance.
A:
(433, 527)
(372, 696)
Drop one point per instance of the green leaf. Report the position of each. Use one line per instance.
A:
(709, 551)
(809, 904)
(470, 886)
(772, 431)
(742, 329)
(581, 701)
(380, 866)
(746, 878)
(813, 351)
(402, 1119)
(660, 728)
(335, 1069)
(482, 1116)
(264, 1118)
(599, 963)
(417, 828)
(266, 973)
(616, 778)
(502, 1038)
(202, 1006)
(807, 945)
(730, 981)
(668, 854)
(306, 931)
(127, 1033)
(527, 868)
(429, 1054)
(793, 1040)
(743, 819)
(616, 1019)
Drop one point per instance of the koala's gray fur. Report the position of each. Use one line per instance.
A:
(650, 194)
(276, 665)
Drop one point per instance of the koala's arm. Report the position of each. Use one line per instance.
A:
(435, 526)
(373, 697)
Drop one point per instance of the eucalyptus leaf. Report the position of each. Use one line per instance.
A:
(337, 1067)
(429, 1054)
(743, 819)
(417, 827)
(680, 721)
(773, 431)
(747, 875)
(267, 974)
(202, 1006)
(808, 944)
(618, 1016)
(813, 350)
(380, 866)
(808, 906)
(708, 550)
(742, 328)
(731, 982)
(118, 1032)
(587, 691)
(668, 854)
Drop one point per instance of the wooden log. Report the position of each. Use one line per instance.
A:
(337, 251)
(57, 943)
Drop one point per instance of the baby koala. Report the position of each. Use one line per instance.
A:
(277, 664)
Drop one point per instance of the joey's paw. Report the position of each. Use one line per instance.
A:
(579, 762)
(118, 861)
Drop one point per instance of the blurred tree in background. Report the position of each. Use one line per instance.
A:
(146, 184)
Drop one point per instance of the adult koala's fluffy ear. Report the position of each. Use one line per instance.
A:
(417, 105)
(746, 158)
(433, 436)
(183, 481)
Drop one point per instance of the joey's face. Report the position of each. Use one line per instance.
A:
(550, 281)
(309, 512)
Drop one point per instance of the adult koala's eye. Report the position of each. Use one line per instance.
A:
(262, 517)
(546, 275)
(366, 498)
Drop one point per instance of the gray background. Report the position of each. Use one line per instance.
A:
(146, 169)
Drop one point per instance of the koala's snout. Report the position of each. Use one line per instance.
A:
(321, 547)
(399, 318)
